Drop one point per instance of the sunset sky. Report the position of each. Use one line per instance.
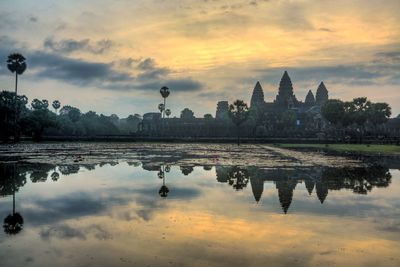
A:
(113, 56)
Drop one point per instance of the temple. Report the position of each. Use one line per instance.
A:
(286, 99)
(283, 116)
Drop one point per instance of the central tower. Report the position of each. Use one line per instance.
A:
(285, 97)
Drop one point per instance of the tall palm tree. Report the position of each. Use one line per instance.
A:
(16, 63)
(164, 91)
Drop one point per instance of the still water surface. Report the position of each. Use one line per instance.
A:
(152, 214)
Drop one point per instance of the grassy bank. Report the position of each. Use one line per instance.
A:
(357, 148)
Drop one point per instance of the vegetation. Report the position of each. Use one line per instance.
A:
(361, 148)
(238, 112)
(355, 116)
(187, 114)
(16, 64)
(37, 120)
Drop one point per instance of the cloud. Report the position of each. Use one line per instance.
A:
(67, 46)
(33, 19)
(73, 70)
(325, 30)
(123, 74)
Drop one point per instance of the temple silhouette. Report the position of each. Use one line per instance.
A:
(307, 115)
(360, 180)
(286, 99)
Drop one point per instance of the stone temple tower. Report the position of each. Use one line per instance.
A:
(257, 98)
(322, 94)
(310, 99)
(222, 110)
(285, 94)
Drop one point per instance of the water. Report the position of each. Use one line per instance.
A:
(154, 213)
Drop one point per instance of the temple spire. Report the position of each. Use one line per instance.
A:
(310, 99)
(322, 94)
(257, 98)
(285, 93)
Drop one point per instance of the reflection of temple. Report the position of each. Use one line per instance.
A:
(318, 180)
(359, 180)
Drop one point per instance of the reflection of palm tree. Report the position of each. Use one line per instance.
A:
(163, 192)
(14, 222)
(167, 168)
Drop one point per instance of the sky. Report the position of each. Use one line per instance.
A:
(114, 56)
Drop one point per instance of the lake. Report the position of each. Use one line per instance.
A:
(98, 204)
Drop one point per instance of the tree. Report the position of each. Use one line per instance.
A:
(73, 113)
(39, 119)
(164, 91)
(361, 107)
(168, 112)
(238, 112)
(349, 114)
(56, 105)
(8, 114)
(208, 117)
(378, 113)
(133, 122)
(238, 178)
(187, 114)
(16, 63)
(333, 111)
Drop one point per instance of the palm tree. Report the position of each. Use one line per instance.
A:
(16, 63)
(161, 108)
(56, 105)
(238, 112)
(164, 91)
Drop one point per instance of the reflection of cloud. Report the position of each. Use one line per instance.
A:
(81, 204)
(65, 231)
(62, 232)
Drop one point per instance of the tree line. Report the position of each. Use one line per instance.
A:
(356, 116)
(38, 120)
